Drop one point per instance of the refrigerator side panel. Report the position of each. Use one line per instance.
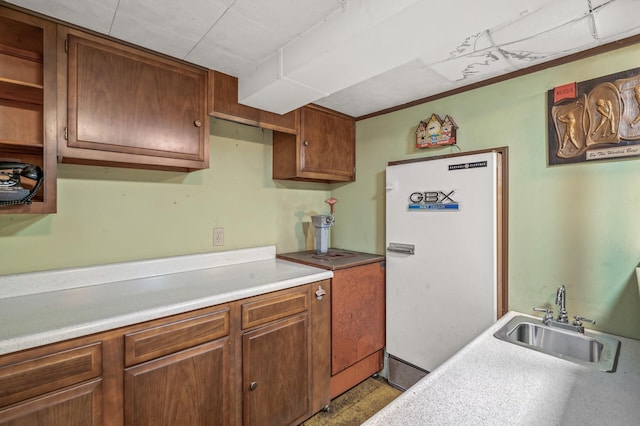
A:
(443, 295)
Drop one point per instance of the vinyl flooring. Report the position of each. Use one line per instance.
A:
(356, 405)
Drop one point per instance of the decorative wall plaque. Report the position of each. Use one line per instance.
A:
(435, 131)
(596, 119)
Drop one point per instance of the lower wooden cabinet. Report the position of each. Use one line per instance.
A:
(62, 386)
(357, 314)
(257, 361)
(286, 347)
(188, 388)
(358, 325)
(276, 372)
(179, 371)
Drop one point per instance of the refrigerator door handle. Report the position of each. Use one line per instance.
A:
(401, 248)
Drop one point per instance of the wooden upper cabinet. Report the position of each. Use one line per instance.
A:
(122, 106)
(223, 103)
(323, 150)
(28, 104)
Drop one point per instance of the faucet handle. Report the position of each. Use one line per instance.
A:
(577, 320)
(548, 313)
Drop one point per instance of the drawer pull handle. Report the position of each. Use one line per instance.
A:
(253, 385)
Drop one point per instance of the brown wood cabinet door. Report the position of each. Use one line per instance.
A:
(327, 144)
(276, 372)
(127, 105)
(79, 405)
(191, 387)
(358, 314)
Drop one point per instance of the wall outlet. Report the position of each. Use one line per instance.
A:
(218, 236)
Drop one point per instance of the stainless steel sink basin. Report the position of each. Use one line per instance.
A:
(595, 351)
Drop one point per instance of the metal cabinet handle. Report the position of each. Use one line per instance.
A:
(305, 143)
(197, 123)
(253, 385)
(401, 248)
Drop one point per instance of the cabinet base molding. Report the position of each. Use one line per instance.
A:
(357, 373)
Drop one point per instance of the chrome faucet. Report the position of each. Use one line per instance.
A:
(562, 321)
(561, 294)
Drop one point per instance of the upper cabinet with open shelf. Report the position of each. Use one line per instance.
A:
(28, 104)
(223, 103)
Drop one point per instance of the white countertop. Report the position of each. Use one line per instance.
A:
(493, 382)
(123, 294)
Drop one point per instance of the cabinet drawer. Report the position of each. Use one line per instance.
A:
(43, 374)
(269, 309)
(162, 340)
(76, 405)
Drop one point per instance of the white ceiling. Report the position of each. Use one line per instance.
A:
(354, 56)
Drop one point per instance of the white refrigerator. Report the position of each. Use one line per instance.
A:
(442, 249)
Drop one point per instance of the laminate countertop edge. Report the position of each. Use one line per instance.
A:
(36, 319)
(493, 382)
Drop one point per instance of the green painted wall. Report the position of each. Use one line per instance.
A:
(577, 224)
(573, 224)
(108, 215)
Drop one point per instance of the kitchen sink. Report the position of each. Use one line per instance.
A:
(595, 351)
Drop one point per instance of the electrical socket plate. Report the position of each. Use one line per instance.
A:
(218, 236)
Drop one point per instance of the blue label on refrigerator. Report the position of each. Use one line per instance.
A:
(434, 206)
(433, 200)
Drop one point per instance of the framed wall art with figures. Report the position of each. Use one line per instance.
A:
(595, 120)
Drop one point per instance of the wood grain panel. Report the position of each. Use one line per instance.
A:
(357, 373)
(188, 388)
(158, 122)
(77, 406)
(358, 319)
(21, 123)
(276, 360)
(328, 143)
(270, 309)
(128, 107)
(36, 376)
(19, 69)
(321, 343)
(223, 103)
(19, 38)
(162, 340)
(322, 151)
